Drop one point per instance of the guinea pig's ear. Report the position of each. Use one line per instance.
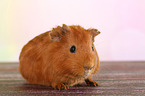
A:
(94, 32)
(65, 28)
(57, 33)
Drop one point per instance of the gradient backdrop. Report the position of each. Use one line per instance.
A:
(121, 22)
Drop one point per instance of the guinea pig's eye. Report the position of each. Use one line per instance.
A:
(92, 48)
(73, 49)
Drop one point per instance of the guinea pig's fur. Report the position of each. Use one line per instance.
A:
(47, 59)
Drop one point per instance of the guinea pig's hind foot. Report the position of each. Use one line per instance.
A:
(90, 82)
(61, 86)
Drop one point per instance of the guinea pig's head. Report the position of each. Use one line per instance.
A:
(72, 50)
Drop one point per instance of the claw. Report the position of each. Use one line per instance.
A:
(90, 82)
(61, 86)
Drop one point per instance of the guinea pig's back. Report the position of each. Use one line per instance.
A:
(31, 58)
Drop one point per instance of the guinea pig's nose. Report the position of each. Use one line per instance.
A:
(88, 68)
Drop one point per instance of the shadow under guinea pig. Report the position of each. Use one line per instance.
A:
(37, 90)
(40, 88)
(34, 87)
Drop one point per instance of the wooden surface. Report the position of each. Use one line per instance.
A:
(115, 78)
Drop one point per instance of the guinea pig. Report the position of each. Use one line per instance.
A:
(62, 57)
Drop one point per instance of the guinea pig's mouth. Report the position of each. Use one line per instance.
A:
(87, 73)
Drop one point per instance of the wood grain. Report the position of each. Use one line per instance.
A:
(115, 79)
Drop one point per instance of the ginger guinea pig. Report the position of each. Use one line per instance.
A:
(61, 58)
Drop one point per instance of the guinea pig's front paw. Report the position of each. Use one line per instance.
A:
(61, 86)
(90, 82)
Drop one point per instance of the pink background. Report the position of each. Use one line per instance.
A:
(121, 22)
